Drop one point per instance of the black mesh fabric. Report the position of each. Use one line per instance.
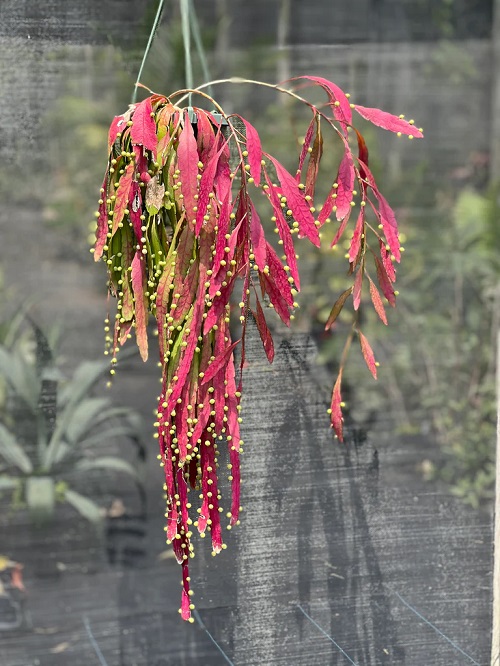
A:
(345, 554)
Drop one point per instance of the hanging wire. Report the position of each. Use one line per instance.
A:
(195, 28)
(148, 48)
(189, 25)
(186, 38)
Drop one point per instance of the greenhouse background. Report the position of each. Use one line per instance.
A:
(378, 551)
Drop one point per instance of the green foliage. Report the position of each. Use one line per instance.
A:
(50, 429)
(456, 381)
(437, 370)
(453, 62)
(80, 125)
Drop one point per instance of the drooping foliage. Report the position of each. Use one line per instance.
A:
(179, 230)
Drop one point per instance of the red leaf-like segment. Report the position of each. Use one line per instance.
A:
(221, 337)
(340, 231)
(182, 370)
(206, 187)
(177, 542)
(218, 305)
(264, 332)
(254, 149)
(206, 476)
(219, 363)
(385, 255)
(223, 182)
(118, 124)
(187, 294)
(219, 401)
(341, 193)
(138, 277)
(276, 298)
(337, 308)
(339, 103)
(128, 252)
(209, 508)
(258, 238)
(377, 301)
(203, 414)
(362, 154)
(296, 203)
(234, 458)
(205, 135)
(305, 146)
(389, 225)
(184, 256)
(385, 214)
(244, 310)
(278, 275)
(143, 130)
(165, 450)
(162, 298)
(233, 439)
(185, 599)
(187, 160)
(345, 182)
(124, 331)
(127, 305)
(186, 358)
(163, 148)
(181, 417)
(388, 121)
(141, 162)
(284, 232)
(336, 409)
(223, 229)
(122, 196)
(359, 230)
(330, 202)
(384, 282)
(368, 354)
(135, 209)
(213, 509)
(163, 118)
(102, 223)
(231, 246)
(313, 165)
(356, 292)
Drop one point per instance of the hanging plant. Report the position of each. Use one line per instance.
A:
(179, 231)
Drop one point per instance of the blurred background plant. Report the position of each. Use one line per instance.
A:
(437, 375)
(55, 433)
(451, 327)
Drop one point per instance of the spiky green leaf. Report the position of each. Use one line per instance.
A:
(109, 463)
(85, 377)
(12, 452)
(84, 417)
(85, 507)
(20, 376)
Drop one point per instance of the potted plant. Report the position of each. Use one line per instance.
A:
(50, 431)
(179, 228)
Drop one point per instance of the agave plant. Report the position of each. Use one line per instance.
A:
(180, 230)
(49, 435)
